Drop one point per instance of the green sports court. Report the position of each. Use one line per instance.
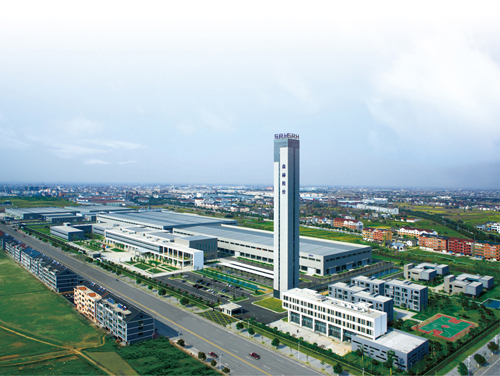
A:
(446, 327)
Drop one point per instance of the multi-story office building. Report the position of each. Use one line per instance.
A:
(355, 294)
(372, 284)
(286, 212)
(407, 295)
(469, 284)
(182, 251)
(424, 271)
(125, 321)
(333, 317)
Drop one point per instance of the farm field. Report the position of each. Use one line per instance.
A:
(33, 202)
(472, 217)
(159, 357)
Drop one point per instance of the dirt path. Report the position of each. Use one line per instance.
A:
(67, 348)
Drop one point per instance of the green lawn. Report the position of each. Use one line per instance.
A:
(271, 303)
(117, 250)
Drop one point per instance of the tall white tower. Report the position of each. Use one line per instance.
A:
(286, 212)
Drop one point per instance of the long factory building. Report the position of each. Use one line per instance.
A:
(317, 256)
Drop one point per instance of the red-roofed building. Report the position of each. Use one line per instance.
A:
(415, 232)
(353, 224)
(487, 250)
(377, 234)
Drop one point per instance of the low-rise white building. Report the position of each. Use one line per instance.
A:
(333, 317)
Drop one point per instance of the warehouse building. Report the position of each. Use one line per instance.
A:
(317, 256)
(408, 349)
(37, 213)
(161, 220)
(67, 233)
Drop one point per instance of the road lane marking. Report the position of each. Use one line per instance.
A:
(180, 326)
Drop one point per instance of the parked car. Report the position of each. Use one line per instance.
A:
(254, 355)
(213, 355)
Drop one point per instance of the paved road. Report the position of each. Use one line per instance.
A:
(196, 331)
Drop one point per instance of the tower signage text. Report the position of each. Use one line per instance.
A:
(286, 135)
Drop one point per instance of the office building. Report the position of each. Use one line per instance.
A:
(407, 295)
(355, 294)
(425, 271)
(372, 284)
(286, 212)
(333, 317)
(469, 284)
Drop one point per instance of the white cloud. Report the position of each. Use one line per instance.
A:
(443, 93)
(114, 144)
(80, 126)
(95, 162)
(126, 162)
(10, 141)
(221, 121)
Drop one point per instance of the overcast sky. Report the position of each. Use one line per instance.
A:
(381, 93)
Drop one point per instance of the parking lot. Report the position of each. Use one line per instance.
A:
(204, 287)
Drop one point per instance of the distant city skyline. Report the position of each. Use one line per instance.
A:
(382, 94)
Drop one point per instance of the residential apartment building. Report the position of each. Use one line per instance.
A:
(407, 295)
(333, 317)
(377, 234)
(487, 250)
(352, 224)
(125, 321)
(55, 275)
(433, 242)
(355, 294)
(414, 232)
(460, 246)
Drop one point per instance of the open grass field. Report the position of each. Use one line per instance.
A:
(117, 250)
(36, 311)
(447, 327)
(424, 223)
(65, 365)
(34, 202)
(271, 303)
(113, 362)
(218, 317)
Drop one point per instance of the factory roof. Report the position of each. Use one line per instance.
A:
(265, 239)
(399, 341)
(164, 220)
